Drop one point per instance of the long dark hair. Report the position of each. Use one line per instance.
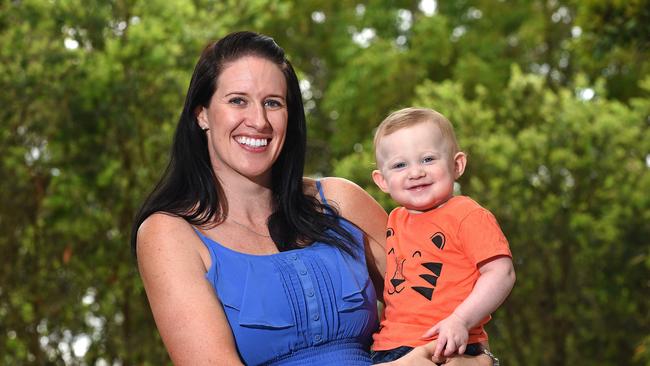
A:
(189, 187)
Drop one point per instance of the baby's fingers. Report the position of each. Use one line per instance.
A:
(440, 346)
(451, 347)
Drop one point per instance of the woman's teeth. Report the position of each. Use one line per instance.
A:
(251, 141)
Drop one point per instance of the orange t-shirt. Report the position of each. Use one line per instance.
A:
(431, 267)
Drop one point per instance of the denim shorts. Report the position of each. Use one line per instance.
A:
(472, 349)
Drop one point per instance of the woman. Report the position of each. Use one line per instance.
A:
(285, 257)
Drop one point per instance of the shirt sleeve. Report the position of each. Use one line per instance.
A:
(481, 237)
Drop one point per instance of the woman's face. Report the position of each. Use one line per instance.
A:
(247, 119)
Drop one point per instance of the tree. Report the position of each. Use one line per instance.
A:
(550, 98)
(93, 94)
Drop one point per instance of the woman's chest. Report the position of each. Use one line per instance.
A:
(293, 300)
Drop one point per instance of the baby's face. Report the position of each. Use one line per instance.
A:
(416, 167)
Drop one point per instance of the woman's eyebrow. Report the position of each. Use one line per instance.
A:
(276, 96)
(234, 93)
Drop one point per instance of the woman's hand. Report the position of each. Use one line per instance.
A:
(481, 360)
(420, 356)
(424, 355)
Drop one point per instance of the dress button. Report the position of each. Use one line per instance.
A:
(303, 272)
(293, 257)
(317, 338)
(310, 293)
(315, 317)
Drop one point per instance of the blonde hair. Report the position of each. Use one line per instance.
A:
(408, 117)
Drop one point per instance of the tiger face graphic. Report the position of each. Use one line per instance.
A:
(426, 280)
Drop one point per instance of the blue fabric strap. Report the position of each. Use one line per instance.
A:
(320, 192)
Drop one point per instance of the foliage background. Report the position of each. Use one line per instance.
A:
(550, 99)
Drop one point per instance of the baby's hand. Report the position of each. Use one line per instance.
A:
(452, 336)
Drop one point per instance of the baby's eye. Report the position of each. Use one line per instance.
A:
(272, 103)
(428, 159)
(237, 100)
(398, 165)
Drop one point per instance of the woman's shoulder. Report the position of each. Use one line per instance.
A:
(162, 223)
(339, 191)
(163, 231)
(351, 201)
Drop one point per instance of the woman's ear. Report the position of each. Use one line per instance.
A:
(379, 180)
(202, 118)
(460, 161)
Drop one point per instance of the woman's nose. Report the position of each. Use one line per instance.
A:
(256, 118)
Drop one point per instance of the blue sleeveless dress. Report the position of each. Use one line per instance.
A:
(314, 305)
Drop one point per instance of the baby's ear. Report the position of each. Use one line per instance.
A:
(379, 180)
(460, 161)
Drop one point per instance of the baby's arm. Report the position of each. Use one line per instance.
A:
(491, 289)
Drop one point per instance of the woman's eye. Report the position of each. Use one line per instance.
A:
(272, 103)
(237, 101)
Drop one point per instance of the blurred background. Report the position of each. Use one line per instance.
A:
(550, 99)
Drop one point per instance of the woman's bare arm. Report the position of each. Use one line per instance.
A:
(188, 314)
